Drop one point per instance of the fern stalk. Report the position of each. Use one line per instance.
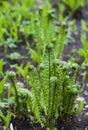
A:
(11, 77)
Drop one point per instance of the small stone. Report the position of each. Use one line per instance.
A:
(86, 114)
(86, 106)
(80, 99)
(79, 119)
(20, 84)
(6, 85)
(83, 109)
(86, 93)
(11, 126)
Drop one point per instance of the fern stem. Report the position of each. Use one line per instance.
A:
(53, 105)
(49, 88)
(76, 76)
(54, 93)
(16, 94)
(49, 79)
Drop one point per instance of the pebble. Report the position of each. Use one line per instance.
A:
(86, 106)
(80, 99)
(86, 93)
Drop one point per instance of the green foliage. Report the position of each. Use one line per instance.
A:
(45, 32)
(23, 71)
(84, 50)
(54, 90)
(75, 4)
(10, 42)
(14, 56)
(80, 106)
(6, 118)
(52, 93)
(11, 76)
(61, 9)
(14, 18)
(53, 86)
(21, 98)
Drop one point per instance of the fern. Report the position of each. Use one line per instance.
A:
(11, 76)
(60, 40)
(45, 32)
(54, 90)
(48, 63)
(80, 106)
(34, 82)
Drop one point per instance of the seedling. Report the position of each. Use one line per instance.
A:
(6, 119)
(21, 96)
(10, 31)
(14, 56)
(74, 5)
(23, 71)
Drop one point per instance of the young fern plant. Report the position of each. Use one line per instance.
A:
(20, 98)
(54, 89)
(45, 32)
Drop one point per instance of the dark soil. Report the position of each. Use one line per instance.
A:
(21, 49)
(80, 123)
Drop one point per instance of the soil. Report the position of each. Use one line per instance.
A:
(77, 123)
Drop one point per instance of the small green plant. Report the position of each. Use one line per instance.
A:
(23, 71)
(17, 96)
(6, 118)
(21, 96)
(14, 56)
(74, 5)
(4, 115)
(11, 32)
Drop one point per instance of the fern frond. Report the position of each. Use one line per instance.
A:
(48, 72)
(53, 97)
(60, 41)
(34, 82)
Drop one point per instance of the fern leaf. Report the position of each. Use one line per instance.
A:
(35, 93)
(46, 74)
